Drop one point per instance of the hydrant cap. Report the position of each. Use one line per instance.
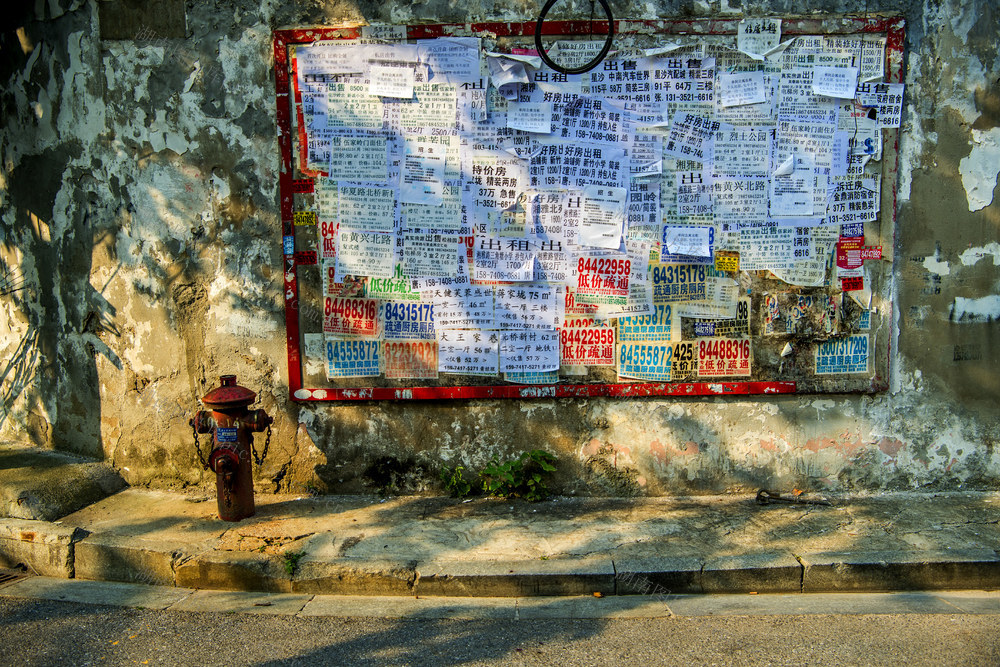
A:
(229, 394)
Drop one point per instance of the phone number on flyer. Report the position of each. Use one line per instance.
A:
(350, 316)
(724, 357)
(645, 361)
(678, 282)
(352, 358)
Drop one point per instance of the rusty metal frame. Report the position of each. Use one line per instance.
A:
(892, 26)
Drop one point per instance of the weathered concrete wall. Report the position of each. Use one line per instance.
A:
(139, 203)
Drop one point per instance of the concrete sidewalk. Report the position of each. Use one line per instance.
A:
(428, 546)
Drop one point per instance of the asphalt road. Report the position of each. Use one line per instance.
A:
(40, 632)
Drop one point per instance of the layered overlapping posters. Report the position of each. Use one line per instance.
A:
(478, 214)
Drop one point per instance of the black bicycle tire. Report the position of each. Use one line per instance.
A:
(574, 70)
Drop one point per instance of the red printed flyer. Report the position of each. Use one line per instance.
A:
(724, 357)
(350, 316)
(603, 280)
(410, 359)
(586, 342)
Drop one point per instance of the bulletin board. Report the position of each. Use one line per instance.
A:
(708, 211)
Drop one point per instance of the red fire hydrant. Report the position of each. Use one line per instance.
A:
(232, 427)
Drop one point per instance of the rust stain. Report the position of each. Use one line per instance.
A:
(689, 448)
(848, 444)
(850, 447)
(592, 447)
(890, 446)
(816, 444)
(658, 451)
(662, 452)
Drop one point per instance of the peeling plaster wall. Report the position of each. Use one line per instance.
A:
(138, 200)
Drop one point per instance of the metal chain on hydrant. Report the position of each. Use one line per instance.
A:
(267, 443)
(197, 445)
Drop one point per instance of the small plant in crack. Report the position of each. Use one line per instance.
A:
(523, 477)
(292, 559)
(455, 482)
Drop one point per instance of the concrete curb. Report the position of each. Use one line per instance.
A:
(44, 548)
(901, 570)
(757, 573)
(583, 576)
(102, 557)
(234, 571)
(67, 552)
(658, 576)
(346, 576)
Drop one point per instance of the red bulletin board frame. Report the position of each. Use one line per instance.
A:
(892, 26)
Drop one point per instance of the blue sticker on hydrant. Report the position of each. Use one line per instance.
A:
(225, 434)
